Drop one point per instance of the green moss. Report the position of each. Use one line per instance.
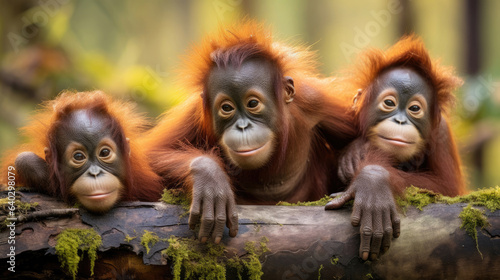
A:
(129, 238)
(471, 219)
(322, 202)
(251, 260)
(193, 260)
(263, 245)
(319, 272)
(256, 226)
(236, 263)
(4, 224)
(24, 207)
(4, 201)
(190, 256)
(176, 197)
(70, 241)
(416, 197)
(147, 238)
(490, 198)
(21, 207)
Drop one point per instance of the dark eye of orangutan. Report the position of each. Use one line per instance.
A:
(79, 156)
(414, 108)
(104, 152)
(253, 103)
(390, 103)
(227, 108)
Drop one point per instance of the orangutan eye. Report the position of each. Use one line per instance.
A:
(414, 108)
(389, 103)
(104, 152)
(78, 156)
(253, 103)
(227, 108)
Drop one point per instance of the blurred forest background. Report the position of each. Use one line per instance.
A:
(131, 49)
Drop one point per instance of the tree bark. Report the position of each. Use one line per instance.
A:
(304, 242)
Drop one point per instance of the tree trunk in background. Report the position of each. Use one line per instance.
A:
(472, 42)
(406, 19)
(472, 37)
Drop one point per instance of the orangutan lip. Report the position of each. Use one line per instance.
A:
(250, 152)
(100, 195)
(397, 141)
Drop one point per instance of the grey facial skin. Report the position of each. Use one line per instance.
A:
(254, 75)
(244, 111)
(406, 82)
(88, 131)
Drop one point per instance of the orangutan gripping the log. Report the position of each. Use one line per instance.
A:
(265, 129)
(406, 139)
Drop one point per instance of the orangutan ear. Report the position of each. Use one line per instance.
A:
(289, 89)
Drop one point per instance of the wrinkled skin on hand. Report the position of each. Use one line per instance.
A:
(374, 210)
(351, 158)
(213, 205)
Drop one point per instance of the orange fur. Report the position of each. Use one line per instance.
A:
(291, 60)
(410, 52)
(318, 115)
(443, 172)
(142, 182)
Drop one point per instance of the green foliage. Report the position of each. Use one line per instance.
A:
(208, 261)
(70, 241)
(471, 219)
(490, 198)
(147, 238)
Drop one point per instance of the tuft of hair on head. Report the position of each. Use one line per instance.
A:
(232, 45)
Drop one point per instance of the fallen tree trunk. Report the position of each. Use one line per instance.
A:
(305, 242)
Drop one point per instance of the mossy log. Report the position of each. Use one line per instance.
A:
(305, 242)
